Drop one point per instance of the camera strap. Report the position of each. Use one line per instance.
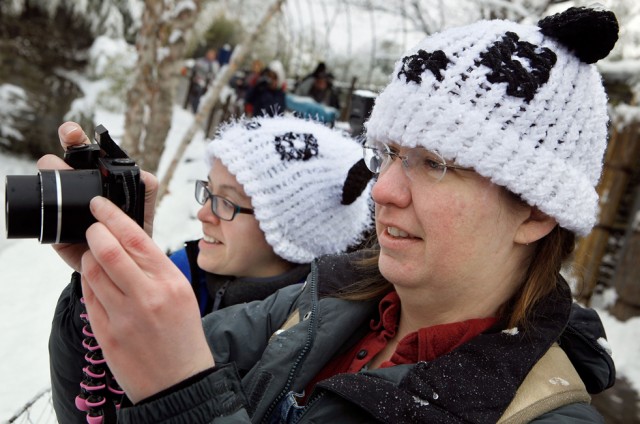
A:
(100, 395)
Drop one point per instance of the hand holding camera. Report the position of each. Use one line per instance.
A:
(142, 308)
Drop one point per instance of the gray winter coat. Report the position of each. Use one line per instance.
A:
(474, 383)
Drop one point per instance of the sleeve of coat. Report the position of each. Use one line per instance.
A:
(217, 398)
(66, 354)
(237, 335)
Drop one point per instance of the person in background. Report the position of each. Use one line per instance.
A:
(321, 68)
(267, 97)
(243, 81)
(488, 144)
(319, 86)
(224, 54)
(203, 72)
(256, 69)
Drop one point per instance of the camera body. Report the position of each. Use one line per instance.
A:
(53, 206)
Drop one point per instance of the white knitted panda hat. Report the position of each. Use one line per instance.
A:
(521, 104)
(308, 184)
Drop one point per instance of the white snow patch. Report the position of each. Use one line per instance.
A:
(605, 345)
(558, 381)
(421, 402)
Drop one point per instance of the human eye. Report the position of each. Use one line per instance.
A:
(433, 164)
(431, 161)
(226, 204)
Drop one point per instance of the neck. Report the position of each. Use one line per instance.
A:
(435, 304)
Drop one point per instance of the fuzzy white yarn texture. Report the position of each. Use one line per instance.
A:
(297, 202)
(548, 150)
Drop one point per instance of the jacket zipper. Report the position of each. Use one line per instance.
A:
(312, 401)
(305, 349)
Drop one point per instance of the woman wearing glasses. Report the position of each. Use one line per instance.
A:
(281, 192)
(272, 203)
(488, 144)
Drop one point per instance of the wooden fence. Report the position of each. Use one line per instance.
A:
(610, 255)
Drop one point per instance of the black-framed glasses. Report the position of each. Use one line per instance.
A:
(416, 162)
(223, 208)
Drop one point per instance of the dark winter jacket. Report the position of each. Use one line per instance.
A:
(215, 291)
(266, 101)
(474, 383)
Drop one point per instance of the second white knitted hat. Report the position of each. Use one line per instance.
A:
(307, 195)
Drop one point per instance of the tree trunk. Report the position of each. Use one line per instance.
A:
(160, 45)
(212, 96)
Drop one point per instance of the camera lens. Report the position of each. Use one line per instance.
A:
(52, 206)
(22, 206)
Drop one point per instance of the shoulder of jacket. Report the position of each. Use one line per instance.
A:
(552, 383)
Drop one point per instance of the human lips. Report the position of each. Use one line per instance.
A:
(210, 240)
(394, 232)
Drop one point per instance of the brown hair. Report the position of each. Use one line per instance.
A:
(540, 279)
(542, 276)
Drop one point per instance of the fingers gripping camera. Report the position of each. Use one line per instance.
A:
(53, 206)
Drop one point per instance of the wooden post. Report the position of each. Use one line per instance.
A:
(346, 110)
(623, 153)
(627, 274)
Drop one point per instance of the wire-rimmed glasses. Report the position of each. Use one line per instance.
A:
(223, 208)
(417, 162)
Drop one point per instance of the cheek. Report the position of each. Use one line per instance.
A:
(444, 213)
(450, 224)
(249, 237)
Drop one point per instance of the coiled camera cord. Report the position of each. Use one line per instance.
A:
(100, 395)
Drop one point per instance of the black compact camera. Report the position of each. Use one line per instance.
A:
(53, 206)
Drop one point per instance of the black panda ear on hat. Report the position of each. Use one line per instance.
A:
(590, 33)
(357, 179)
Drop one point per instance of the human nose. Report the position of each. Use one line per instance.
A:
(205, 214)
(392, 186)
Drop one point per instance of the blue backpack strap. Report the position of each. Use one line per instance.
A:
(186, 261)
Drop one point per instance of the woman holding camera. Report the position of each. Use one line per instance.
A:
(488, 144)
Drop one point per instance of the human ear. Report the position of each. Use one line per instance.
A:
(537, 225)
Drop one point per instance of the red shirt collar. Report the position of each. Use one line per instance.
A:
(427, 343)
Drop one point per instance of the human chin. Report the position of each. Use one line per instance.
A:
(211, 262)
(390, 266)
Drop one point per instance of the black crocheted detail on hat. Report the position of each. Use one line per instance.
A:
(357, 179)
(502, 58)
(414, 66)
(296, 146)
(252, 125)
(589, 33)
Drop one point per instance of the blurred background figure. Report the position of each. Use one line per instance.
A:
(319, 86)
(267, 96)
(203, 72)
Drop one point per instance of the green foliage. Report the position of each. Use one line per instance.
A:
(222, 31)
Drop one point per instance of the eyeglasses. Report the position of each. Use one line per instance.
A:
(222, 208)
(417, 163)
